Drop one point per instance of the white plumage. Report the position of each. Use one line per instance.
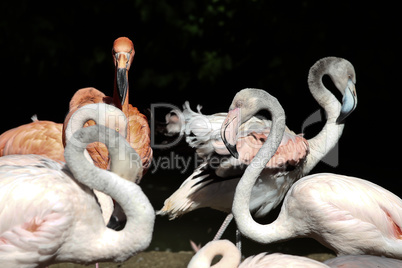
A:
(213, 184)
(49, 212)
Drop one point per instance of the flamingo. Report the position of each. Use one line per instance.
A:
(349, 215)
(50, 214)
(100, 113)
(296, 157)
(363, 261)
(38, 137)
(202, 132)
(138, 131)
(231, 257)
(48, 138)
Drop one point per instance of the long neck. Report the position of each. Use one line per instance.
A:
(108, 244)
(240, 209)
(328, 137)
(230, 255)
(79, 118)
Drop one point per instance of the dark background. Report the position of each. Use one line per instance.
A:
(204, 52)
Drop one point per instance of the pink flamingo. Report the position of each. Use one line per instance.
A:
(231, 258)
(47, 138)
(349, 215)
(51, 214)
(102, 114)
(363, 261)
(215, 187)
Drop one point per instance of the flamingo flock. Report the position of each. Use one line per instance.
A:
(70, 193)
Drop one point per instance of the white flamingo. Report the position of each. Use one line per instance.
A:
(363, 261)
(49, 213)
(102, 114)
(215, 187)
(231, 257)
(202, 132)
(351, 216)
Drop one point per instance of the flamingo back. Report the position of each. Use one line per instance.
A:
(354, 209)
(366, 261)
(279, 260)
(37, 190)
(38, 137)
(139, 136)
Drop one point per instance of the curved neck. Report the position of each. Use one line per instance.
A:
(137, 234)
(328, 137)
(240, 209)
(77, 121)
(230, 255)
(100, 113)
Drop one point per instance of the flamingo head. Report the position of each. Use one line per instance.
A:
(343, 75)
(123, 55)
(245, 104)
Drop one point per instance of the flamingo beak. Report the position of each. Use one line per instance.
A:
(122, 60)
(349, 102)
(229, 131)
(118, 219)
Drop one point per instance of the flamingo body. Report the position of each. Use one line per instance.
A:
(213, 183)
(363, 261)
(231, 258)
(47, 138)
(38, 137)
(139, 135)
(138, 132)
(37, 232)
(349, 215)
(50, 214)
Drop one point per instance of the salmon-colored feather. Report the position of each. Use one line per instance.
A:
(138, 131)
(48, 138)
(82, 97)
(38, 137)
(138, 124)
(292, 150)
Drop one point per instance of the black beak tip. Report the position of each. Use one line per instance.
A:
(343, 115)
(341, 119)
(233, 151)
(115, 224)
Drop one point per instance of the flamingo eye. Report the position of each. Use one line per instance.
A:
(239, 104)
